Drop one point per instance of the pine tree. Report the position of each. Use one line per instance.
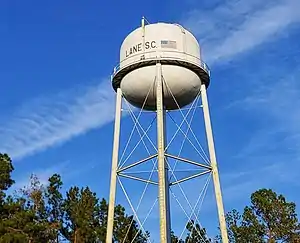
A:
(6, 168)
(103, 211)
(273, 215)
(269, 218)
(196, 234)
(39, 213)
(125, 227)
(24, 216)
(37, 226)
(175, 239)
(54, 204)
(81, 215)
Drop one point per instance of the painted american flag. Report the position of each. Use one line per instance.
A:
(168, 44)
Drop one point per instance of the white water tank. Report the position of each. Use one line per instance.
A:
(176, 49)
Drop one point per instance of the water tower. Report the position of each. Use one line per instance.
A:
(161, 70)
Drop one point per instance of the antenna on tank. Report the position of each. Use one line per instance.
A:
(161, 70)
(143, 22)
(143, 28)
(144, 19)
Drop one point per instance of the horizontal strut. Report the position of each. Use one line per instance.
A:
(188, 161)
(136, 163)
(137, 179)
(189, 177)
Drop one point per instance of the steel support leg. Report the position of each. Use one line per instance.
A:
(163, 187)
(113, 179)
(213, 160)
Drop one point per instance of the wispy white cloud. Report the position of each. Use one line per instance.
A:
(47, 121)
(271, 157)
(237, 26)
(234, 27)
(278, 101)
(225, 31)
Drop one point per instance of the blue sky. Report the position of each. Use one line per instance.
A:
(57, 105)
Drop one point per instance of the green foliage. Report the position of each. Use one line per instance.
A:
(81, 215)
(6, 169)
(130, 231)
(196, 234)
(269, 218)
(39, 213)
(175, 239)
(24, 218)
(55, 201)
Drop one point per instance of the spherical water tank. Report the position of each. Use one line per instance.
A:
(177, 50)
